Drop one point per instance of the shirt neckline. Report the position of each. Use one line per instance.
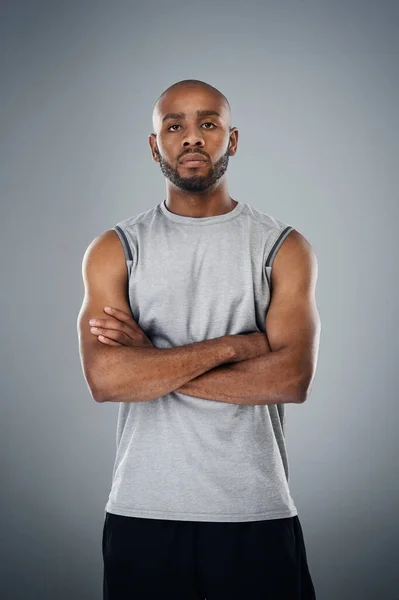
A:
(201, 220)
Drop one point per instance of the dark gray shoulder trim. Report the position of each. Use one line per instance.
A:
(277, 245)
(125, 243)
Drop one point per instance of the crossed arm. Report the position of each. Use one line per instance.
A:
(280, 369)
(268, 379)
(285, 373)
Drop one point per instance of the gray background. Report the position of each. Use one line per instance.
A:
(314, 93)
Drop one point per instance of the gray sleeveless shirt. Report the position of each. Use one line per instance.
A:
(185, 458)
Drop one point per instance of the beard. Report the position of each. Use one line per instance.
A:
(195, 182)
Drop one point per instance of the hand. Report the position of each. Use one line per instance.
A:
(120, 329)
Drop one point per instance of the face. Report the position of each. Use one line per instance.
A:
(179, 136)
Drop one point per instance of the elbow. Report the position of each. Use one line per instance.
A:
(100, 392)
(304, 388)
(98, 396)
(96, 391)
(95, 385)
(300, 397)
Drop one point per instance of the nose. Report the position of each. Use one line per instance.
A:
(193, 137)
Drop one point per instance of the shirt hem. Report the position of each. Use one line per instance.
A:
(124, 511)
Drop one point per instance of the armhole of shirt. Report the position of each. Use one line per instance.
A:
(126, 247)
(270, 258)
(277, 244)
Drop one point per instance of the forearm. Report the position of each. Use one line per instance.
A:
(139, 374)
(272, 378)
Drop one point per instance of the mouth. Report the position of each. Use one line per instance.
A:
(193, 163)
(193, 159)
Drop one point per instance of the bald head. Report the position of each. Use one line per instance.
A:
(179, 90)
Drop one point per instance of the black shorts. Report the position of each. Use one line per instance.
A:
(193, 560)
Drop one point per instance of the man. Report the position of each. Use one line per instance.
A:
(212, 329)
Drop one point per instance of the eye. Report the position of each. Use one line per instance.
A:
(207, 123)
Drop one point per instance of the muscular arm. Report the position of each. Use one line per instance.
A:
(135, 374)
(138, 374)
(237, 383)
(285, 374)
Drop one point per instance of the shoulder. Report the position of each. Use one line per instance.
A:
(295, 261)
(106, 247)
(131, 222)
(104, 258)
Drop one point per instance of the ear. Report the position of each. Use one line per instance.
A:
(152, 139)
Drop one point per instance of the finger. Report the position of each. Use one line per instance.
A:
(113, 334)
(106, 326)
(105, 340)
(121, 315)
(110, 324)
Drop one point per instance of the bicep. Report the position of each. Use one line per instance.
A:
(105, 279)
(292, 320)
